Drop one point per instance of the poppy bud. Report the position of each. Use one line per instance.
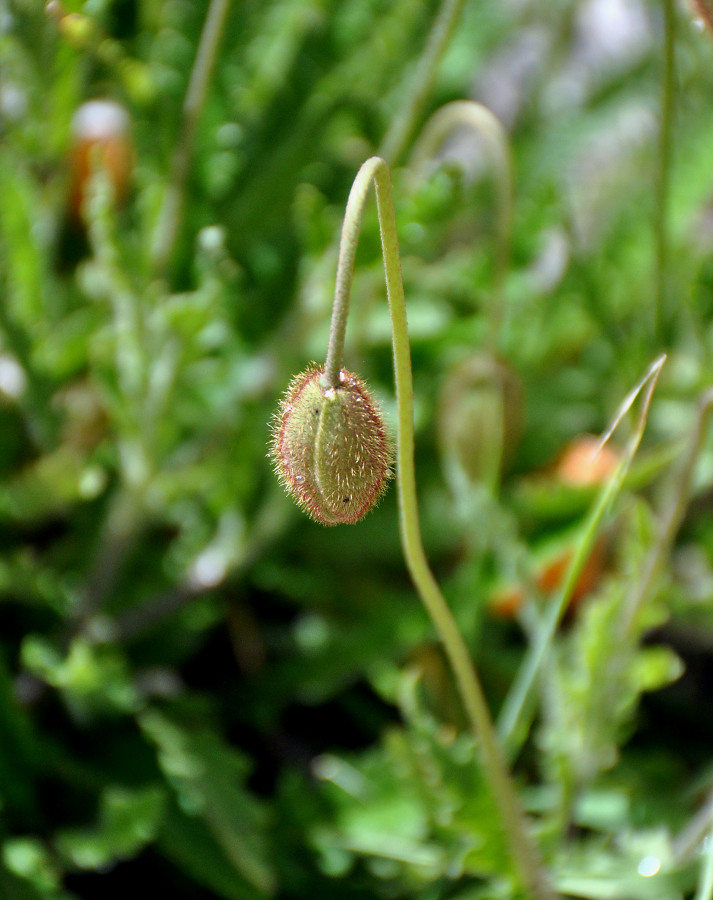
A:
(101, 137)
(330, 447)
(584, 461)
(480, 418)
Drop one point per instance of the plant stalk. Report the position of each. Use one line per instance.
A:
(525, 857)
(404, 122)
(671, 517)
(663, 181)
(705, 885)
(478, 118)
(518, 709)
(169, 219)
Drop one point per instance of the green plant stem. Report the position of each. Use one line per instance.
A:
(705, 885)
(402, 126)
(404, 122)
(671, 517)
(529, 867)
(518, 708)
(696, 839)
(467, 113)
(172, 207)
(663, 181)
(687, 843)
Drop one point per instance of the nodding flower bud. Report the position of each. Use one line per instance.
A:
(330, 447)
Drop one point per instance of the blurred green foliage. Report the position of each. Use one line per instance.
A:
(201, 688)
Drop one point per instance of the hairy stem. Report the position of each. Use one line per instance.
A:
(526, 859)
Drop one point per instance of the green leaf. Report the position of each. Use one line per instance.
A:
(30, 859)
(93, 678)
(129, 819)
(192, 845)
(208, 777)
(417, 806)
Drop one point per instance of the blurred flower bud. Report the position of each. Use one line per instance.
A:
(479, 419)
(101, 138)
(101, 141)
(330, 447)
(551, 572)
(584, 462)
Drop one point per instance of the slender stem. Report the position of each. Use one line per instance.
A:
(663, 181)
(518, 709)
(671, 518)
(688, 841)
(481, 120)
(705, 885)
(345, 269)
(170, 214)
(526, 859)
(403, 124)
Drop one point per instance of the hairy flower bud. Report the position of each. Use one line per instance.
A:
(330, 447)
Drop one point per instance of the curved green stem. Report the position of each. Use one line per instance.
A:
(375, 169)
(480, 119)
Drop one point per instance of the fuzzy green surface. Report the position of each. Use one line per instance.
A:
(330, 447)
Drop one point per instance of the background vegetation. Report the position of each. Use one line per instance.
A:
(199, 687)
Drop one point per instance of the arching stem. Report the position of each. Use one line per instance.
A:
(478, 118)
(529, 867)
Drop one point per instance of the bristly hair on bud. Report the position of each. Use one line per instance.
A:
(330, 447)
